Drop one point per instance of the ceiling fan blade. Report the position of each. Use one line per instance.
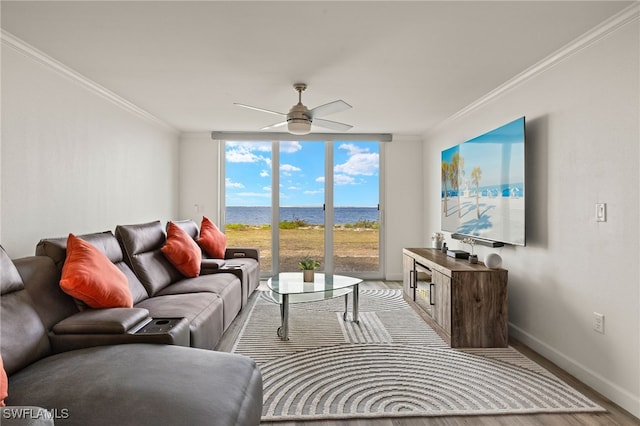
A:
(260, 109)
(273, 126)
(330, 108)
(332, 125)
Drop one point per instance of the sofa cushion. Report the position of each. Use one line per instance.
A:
(204, 311)
(106, 242)
(90, 276)
(188, 226)
(10, 280)
(23, 336)
(26, 415)
(143, 384)
(225, 285)
(212, 240)
(141, 245)
(182, 251)
(250, 274)
(42, 281)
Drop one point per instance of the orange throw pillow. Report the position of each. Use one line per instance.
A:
(212, 240)
(182, 251)
(89, 275)
(4, 383)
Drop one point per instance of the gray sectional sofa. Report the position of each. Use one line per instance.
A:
(151, 364)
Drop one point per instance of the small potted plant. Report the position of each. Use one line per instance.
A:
(436, 240)
(473, 258)
(308, 265)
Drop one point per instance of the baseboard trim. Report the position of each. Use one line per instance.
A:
(394, 277)
(615, 393)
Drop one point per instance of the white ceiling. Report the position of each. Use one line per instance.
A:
(403, 66)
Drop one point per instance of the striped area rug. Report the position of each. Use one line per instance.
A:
(391, 364)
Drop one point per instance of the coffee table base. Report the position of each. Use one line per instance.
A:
(283, 330)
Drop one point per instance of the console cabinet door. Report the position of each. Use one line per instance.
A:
(442, 298)
(408, 281)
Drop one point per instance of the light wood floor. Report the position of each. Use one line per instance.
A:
(614, 416)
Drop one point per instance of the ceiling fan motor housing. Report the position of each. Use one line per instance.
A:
(298, 120)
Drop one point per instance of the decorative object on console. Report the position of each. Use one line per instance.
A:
(458, 254)
(493, 261)
(473, 258)
(436, 240)
(308, 265)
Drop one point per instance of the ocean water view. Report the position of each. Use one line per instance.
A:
(312, 215)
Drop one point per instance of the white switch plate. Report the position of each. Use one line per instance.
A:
(598, 322)
(601, 212)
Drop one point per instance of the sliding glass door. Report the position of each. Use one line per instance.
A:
(356, 209)
(327, 204)
(248, 201)
(301, 201)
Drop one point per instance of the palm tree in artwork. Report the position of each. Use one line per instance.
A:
(455, 174)
(445, 178)
(476, 175)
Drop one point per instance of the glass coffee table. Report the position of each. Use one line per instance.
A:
(288, 287)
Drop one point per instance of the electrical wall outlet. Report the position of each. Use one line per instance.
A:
(598, 322)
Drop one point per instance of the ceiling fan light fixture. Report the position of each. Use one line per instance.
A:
(300, 118)
(298, 126)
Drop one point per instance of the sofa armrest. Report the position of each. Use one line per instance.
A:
(148, 330)
(102, 321)
(242, 252)
(209, 266)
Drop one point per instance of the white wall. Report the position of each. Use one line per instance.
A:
(403, 190)
(73, 161)
(582, 148)
(199, 177)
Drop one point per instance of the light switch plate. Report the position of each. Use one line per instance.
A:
(598, 322)
(601, 212)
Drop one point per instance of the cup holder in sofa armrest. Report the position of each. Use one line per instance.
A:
(158, 326)
(102, 321)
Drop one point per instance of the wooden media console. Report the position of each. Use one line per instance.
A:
(465, 303)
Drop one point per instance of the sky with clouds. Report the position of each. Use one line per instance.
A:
(248, 170)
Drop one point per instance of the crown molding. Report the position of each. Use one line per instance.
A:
(15, 43)
(602, 30)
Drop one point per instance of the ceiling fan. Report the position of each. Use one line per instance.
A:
(300, 118)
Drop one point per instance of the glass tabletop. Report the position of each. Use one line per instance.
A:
(292, 283)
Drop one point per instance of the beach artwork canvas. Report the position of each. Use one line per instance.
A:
(483, 186)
